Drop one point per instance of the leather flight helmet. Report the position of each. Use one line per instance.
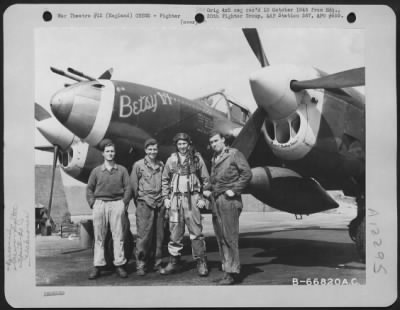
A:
(182, 136)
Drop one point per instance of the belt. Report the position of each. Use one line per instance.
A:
(185, 194)
(109, 199)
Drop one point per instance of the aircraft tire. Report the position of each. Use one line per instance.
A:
(360, 239)
(353, 228)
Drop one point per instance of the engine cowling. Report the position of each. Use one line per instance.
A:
(286, 190)
(293, 118)
(79, 160)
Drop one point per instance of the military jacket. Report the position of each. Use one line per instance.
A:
(146, 182)
(229, 171)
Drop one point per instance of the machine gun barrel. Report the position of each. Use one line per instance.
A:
(62, 73)
(81, 74)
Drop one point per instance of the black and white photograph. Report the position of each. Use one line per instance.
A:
(204, 156)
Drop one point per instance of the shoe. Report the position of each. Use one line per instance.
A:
(202, 268)
(140, 272)
(157, 267)
(94, 274)
(173, 265)
(226, 280)
(121, 272)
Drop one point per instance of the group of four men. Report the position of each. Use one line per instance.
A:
(175, 191)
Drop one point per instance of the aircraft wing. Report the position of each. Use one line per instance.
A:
(286, 190)
(281, 188)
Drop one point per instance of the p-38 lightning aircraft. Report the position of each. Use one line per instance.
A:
(307, 135)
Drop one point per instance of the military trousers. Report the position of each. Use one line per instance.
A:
(225, 218)
(108, 213)
(184, 212)
(150, 233)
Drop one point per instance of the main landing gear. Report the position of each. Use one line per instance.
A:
(357, 227)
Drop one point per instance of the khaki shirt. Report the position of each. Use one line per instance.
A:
(146, 182)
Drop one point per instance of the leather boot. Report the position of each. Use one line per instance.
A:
(140, 271)
(202, 268)
(140, 268)
(173, 265)
(157, 265)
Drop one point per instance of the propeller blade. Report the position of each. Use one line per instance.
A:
(248, 136)
(56, 148)
(348, 78)
(252, 37)
(49, 148)
(107, 74)
(41, 113)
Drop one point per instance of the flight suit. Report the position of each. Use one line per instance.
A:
(150, 212)
(230, 171)
(182, 183)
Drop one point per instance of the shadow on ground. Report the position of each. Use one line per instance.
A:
(266, 258)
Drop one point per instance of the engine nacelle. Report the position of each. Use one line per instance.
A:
(293, 118)
(286, 190)
(293, 137)
(79, 160)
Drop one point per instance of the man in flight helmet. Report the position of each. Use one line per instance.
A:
(184, 177)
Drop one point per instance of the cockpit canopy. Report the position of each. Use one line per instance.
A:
(227, 107)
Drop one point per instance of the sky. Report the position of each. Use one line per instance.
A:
(188, 62)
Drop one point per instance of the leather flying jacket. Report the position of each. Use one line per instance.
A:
(230, 171)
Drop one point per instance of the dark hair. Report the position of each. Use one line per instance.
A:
(215, 132)
(229, 138)
(149, 142)
(106, 142)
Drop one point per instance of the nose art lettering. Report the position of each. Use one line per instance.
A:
(128, 107)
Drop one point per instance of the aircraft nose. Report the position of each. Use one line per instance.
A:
(61, 104)
(85, 109)
(271, 91)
